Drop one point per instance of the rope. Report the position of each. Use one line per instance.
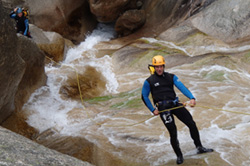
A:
(206, 107)
(166, 110)
(77, 78)
(218, 109)
(79, 88)
(149, 117)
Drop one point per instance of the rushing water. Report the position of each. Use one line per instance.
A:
(114, 125)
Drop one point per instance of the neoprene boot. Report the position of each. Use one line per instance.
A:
(179, 155)
(201, 149)
(180, 159)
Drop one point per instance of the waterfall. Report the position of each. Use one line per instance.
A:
(47, 107)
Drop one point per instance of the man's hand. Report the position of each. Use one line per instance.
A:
(156, 112)
(192, 102)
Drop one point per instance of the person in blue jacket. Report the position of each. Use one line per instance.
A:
(161, 86)
(22, 23)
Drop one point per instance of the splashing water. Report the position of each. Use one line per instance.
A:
(47, 107)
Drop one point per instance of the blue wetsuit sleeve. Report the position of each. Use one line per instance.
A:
(12, 14)
(145, 94)
(26, 22)
(182, 88)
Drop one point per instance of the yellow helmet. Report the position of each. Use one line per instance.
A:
(158, 60)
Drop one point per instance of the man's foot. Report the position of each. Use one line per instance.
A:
(179, 159)
(201, 149)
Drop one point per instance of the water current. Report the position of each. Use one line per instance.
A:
(121, 125)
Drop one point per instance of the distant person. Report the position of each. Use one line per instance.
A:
(22, 22)
(161, 86)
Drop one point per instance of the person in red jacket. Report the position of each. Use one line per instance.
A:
(161, 86)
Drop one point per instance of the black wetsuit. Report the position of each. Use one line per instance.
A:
(164, 96)
(22, 24)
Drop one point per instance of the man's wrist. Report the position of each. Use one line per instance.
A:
(153, 110)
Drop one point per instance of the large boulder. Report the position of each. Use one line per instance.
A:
(163, 14)
(12, 66)
(34, 76)
(125, 13)
(110, 10)
(224, 20)
(129, 22)
(51, 43)
(18, 150)
(21, 68)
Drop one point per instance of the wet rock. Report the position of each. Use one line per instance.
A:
(110, 10)
(130, 21)
(161, 15)
(223, 20)
(12, 66)
(51, 43)
(22, 68)
(34, 76)
(92, 84)
(18, 150)
(125, 13)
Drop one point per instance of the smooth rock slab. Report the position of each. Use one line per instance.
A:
(18, 150)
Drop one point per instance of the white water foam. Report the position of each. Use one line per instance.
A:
(101, 33)
(47, 108)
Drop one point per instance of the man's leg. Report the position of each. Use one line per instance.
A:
(183, 115)
(168, 121)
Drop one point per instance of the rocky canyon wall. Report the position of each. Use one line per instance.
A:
(21, 67)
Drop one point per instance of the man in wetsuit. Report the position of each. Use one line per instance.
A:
(22, 23)
(161, 86)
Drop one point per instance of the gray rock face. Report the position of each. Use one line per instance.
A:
(51, 43)
(12, 66)
(34, 76)
(21, 68)
(225, 20)
(110, 10)
(130, 21)
(18, 150)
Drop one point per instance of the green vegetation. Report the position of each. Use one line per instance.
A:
(194, 38)
(215, 76)
(132, 103)
(100, 99)
(131, 99)
(246, 57)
